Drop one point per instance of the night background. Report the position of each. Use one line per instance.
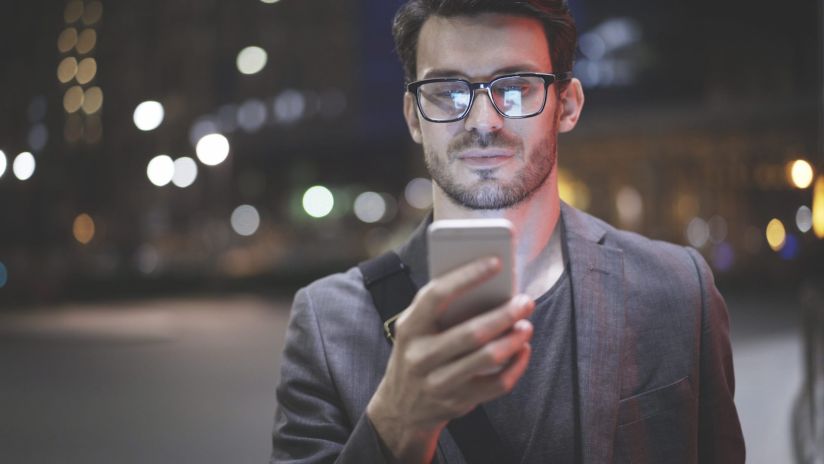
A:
(171, 172)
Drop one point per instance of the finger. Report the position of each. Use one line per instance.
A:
(492, 358)
(492, 386)
(474, 333)
(435, 296)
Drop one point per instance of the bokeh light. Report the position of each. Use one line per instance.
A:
(73, 11)
(38, 137)
(801, 173)
(251, 60)
(86, 41)
(718, 229)
(269, 1)
(776, 234)
(251, 115)
(38, 107)
(791, 248)
(185, 172)
(369, 207)
(147, 259)
(204, 125)
(804, 219)
(73, 99)
(74, 128)
(630, 206)
(92, 13)
(23, 166)
(67, 69)
(418, 193)
(245, 220)
(318, 201)
(93, 131)
(86, 70)
(212, 149)
(723, 257)
(289, 106)
(148, 115)
(161, 170)
(67, 39)
(93, 100)
(3, 163)
(83, 228)
(818, 207)
(698, 232)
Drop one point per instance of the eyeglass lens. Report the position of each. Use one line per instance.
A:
(516, 96)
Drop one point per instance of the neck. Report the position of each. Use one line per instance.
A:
(538, 257)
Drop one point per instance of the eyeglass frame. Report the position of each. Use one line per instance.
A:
(549, 79)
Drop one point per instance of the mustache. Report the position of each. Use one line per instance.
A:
(473, 139)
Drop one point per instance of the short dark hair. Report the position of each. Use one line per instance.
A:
(559, 26)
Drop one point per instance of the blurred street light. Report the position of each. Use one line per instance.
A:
(212, 149)
(148, 115)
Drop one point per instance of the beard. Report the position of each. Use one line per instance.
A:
(490, 192)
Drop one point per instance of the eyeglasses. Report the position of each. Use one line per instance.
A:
(515, 96)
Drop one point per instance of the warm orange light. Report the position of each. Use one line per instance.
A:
(776, 234)
(801, 173)
(83, 228)
(818, 207)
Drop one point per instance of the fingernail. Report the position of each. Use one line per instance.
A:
(523, 300)
(522, 325)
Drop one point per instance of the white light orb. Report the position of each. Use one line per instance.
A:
(318, 201)
(212, 149)
(185, 172)
(3, 163)
(804, 219)
(630, 206)
(289, 106)
(23, 166)
(698, 232)
(161, 170)
(245, 220)
(148, 115)
(418, 193)
(251, 115)
(370, 207)
(251, 60)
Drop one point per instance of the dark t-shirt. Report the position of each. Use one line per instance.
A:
(538, 418)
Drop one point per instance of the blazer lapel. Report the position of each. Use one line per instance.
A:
(597, 273)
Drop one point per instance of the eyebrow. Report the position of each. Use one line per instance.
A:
(436, 73)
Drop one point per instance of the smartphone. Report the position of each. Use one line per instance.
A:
(455, 242)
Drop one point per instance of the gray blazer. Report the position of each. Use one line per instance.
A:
(654, 362)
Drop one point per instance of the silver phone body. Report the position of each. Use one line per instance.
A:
(455, 242)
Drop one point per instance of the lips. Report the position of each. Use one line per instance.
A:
(485, 158)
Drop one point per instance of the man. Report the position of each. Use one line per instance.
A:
(616, 349)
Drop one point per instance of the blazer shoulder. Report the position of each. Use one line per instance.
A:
(651, 252)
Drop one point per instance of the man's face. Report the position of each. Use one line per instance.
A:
(485, 161)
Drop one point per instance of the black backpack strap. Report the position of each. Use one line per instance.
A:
(387, 279)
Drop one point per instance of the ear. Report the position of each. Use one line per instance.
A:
(571, 102)
(410, 113)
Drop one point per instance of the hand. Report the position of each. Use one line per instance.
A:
(434, 376)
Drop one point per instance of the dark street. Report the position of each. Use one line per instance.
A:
(193, 380)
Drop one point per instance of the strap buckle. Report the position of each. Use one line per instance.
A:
(389, 327)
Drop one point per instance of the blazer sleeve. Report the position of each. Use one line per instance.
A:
(719, 435)
(310, 423)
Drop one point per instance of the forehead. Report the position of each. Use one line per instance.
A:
(481, 45)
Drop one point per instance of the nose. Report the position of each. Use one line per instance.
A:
(483, 117)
